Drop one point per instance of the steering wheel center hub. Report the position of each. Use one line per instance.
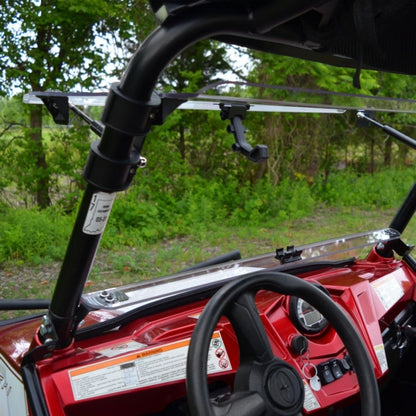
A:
(284, 387)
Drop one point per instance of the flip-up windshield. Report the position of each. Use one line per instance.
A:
(322, 254)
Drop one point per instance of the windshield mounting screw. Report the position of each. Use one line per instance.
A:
(47, 332)
(142, 162)
(380, 246)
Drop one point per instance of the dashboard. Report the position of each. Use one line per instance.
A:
(139, 361)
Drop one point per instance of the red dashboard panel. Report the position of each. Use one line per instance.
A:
(139, 367)
(142, 366)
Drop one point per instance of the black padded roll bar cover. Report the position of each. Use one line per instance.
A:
(126, 115)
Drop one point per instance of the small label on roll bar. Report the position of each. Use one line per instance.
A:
(98, 213)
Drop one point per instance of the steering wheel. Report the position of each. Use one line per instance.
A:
(264, 384)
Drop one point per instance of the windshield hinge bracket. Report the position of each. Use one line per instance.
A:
(399, 246)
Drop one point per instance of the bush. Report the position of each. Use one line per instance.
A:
(158, 208)
(385, 189)
(32, 235)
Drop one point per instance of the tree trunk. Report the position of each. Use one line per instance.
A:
(388, 152)
(372, 156)
(42, 178)
(181, 145)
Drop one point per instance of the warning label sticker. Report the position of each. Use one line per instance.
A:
(382, 359)
(12, 393)
(310, 403)
(121, 348)
(98, 213)
(388, 290)
(148, 367)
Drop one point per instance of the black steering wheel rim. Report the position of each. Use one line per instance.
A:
(197, 388)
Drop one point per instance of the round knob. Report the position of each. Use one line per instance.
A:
(299, 344)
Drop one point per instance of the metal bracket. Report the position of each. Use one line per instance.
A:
(289, 255)
(236, 112)
(399, 246)
(58, 106)
(367, 117)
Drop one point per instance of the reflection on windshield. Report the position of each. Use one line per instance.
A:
(338, 247)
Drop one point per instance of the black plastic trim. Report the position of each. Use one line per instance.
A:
(121, 112)
(23, 304)
(33, 387)
(14, 321)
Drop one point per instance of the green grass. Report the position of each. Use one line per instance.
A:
(131, 264)
(128, 264)
(173, 255)
(154, 233)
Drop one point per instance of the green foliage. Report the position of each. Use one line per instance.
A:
(59, 44)
(156, 210)
(196, 66)
(65, 150)
(193, 180)
(385, 189)
(203, 203)
(311, 145)
(32, 236)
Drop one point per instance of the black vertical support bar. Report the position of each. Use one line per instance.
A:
(74, 273)
(126, 119)
(405, 212)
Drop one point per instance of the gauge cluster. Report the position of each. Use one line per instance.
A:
(306, 318)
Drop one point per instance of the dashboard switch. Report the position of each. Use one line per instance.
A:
(345, 365)
(336, 369)
(325, 373)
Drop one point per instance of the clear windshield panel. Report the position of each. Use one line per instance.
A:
(356, 245)
(260, 97)
(131, 296)
(310, 97)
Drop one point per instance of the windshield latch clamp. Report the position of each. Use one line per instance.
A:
(289, 255)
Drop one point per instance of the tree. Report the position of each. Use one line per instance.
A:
(196, 67)
(57, 44)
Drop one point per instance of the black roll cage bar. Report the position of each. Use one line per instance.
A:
(113, 160)
(127, 118)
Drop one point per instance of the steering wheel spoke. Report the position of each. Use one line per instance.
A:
(249, 329)
(242, 403)
(264, 384)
